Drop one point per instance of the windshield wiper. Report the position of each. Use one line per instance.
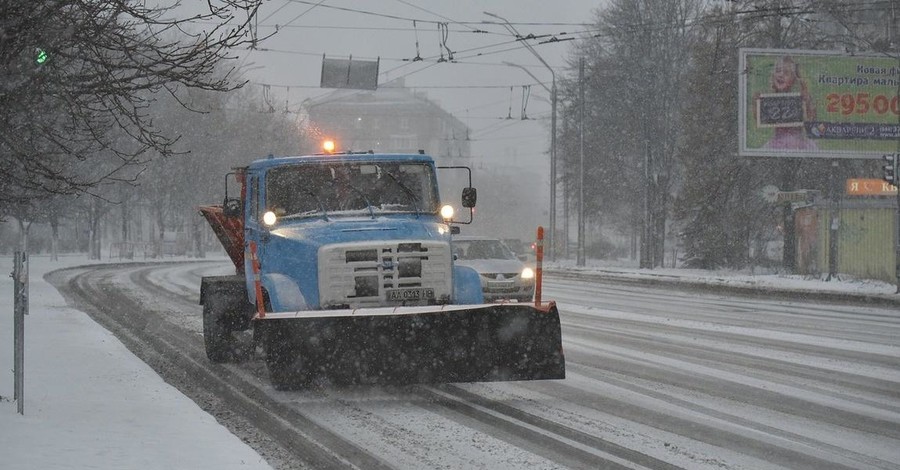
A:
(319, 202)
(362, 195)
(409, 192)
(321, 209)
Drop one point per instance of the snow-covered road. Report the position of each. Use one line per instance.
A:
(656, 379)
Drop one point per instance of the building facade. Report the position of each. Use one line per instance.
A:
(393, 119)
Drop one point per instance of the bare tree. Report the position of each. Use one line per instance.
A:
(638, 63)
(78, 78)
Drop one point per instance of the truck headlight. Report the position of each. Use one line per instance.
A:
(269, 218)
(447, 212)
(527, 273)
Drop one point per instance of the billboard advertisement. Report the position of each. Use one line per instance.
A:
(799, 103)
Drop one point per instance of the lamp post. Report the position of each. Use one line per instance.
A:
(551, 238)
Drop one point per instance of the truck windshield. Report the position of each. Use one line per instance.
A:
(317, 189)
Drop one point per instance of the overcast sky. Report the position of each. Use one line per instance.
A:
(292, 58)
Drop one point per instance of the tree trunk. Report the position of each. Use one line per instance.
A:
(126, 251)
(23, 235)
(161, 224)
(94, 234)
(788, 183)
(54, 239)
(661, 218)
(197, 236)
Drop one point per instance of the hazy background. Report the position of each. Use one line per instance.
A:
(477, 87)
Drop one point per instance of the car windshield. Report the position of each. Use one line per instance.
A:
(482, 249)
(322, 189)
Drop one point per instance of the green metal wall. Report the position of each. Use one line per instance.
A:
(865, 246)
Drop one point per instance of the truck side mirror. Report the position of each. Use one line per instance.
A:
(231, 207)
(469, 196)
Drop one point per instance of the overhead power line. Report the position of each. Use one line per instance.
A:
(459, 55)
(405, 18)
(367, 12)
(423, 87)
(435, 14)
(305, 12)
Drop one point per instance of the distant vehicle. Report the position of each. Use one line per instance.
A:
(503, 275)
(519, 248)
(514, 244)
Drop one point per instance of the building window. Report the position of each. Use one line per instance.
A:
(404, 143)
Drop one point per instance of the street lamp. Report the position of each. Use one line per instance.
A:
(551, 237)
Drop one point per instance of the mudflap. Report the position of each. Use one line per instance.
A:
(490, 343)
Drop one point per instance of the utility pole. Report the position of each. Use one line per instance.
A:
(551, 237)
(890, 176)
(20, 309)
(580, 254)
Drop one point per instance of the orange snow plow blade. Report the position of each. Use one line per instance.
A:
(229, 231)
(455, 343)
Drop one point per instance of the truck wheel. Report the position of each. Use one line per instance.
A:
(287, 369)
(217, 338)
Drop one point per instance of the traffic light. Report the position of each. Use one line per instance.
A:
(41, 56)
(890, 168)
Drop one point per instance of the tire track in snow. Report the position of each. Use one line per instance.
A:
(662, 344)
(635, 373)
(495, 419)
(175, 355)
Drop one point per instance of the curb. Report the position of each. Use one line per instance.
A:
(752, 291)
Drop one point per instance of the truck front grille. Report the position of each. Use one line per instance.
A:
(367, 274)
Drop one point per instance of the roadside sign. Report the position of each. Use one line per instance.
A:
(869, 187)
(772, 194)
(349, 73)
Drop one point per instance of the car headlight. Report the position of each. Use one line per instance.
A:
(527, 273)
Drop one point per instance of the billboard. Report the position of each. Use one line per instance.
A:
(800, 103)
(869, 187)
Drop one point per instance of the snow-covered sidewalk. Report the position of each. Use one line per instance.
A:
(89, 402)
(841, 286)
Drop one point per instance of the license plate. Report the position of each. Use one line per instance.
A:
(501, 284)
(415, 293)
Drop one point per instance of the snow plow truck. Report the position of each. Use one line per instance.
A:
(344, 269)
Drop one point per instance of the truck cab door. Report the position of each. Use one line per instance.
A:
(253, 231)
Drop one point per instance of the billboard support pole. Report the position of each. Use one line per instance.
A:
(834, 222)
(897, 224)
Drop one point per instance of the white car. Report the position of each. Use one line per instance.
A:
(503, 276)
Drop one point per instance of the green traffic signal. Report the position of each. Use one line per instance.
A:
(41, 56)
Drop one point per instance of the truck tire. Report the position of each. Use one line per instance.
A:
(220, 344)
(287, 368)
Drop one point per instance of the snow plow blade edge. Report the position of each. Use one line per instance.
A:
(484, 343)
